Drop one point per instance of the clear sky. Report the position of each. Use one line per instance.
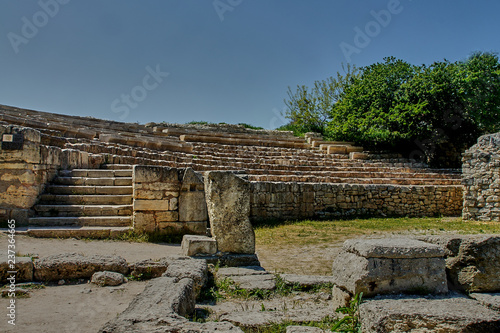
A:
(218, 61)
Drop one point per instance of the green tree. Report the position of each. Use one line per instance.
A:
(310, 109)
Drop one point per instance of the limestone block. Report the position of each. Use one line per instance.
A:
(183, 228)
(23, 266)
(153, 205)
(192, 245)
(162, 303)
(195, 269)
(76, 266)
(144, 222)
(430, 314)
(472, 262)
(107, 278)
(192, 203)
(228, 203)
(148, 269)
(384, 266)
(169, 216)
(336, 149)
(153, 174)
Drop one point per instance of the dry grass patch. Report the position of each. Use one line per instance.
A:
(309, 247)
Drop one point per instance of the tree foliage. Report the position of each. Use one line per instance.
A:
(428, 112)
(311, 109)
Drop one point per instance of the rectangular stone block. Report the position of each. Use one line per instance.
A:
(388, 266)
(169, 216)
(193, 244)
(144, 222)
(151, 205)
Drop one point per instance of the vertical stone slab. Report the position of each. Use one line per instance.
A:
(228, 203)
(192, 203)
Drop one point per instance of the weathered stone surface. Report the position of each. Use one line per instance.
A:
(160, 306)
(195, 269)
(241, 271)
(148, 269)
(306, 281)
(221, 327)
(303, 329)
(340, 297)
(487, 299)
(432, 314)
(151, 205)
(231, 259)
(107, 278)
(76, 266)
(392, 248)
(193, 245)
(473, 262)
(481, 179)
(228, 203)
(398, 273)
(192, 203)
(23, 266)
(152, 174)
(250, 277)
(301, 308)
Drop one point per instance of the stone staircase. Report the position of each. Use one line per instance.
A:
(85, 203)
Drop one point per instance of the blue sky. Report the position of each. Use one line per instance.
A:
(219, 61)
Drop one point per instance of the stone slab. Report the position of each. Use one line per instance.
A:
(228, 204)
(76, 266)
(195, 244)
(149, 268)
(306, 281)
(452, 313)
(491, 300)
(250, 277)
(372, 276)
(230, 259)
(194, 269)
(240, 271)
(393, 248)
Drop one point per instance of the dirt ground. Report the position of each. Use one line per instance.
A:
(86, 308)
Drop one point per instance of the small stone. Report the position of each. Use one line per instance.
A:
(107, 278)
(61, 282)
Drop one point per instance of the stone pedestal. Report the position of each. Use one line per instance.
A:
(389, 266)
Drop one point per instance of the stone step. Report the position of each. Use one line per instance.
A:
(77, 232)
(83, 221)
(338, 180)
(82, 210)
(117, 166)
(120, 181)
(86, 190)
(96, 173)
(119, 199)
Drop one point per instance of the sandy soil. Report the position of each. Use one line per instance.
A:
(79, 307)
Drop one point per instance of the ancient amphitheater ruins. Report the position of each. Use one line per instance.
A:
(67, 176)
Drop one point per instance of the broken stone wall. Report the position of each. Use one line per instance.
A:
(481, 179)
(308, 200)
(169, 200)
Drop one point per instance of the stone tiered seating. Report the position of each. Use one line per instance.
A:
(263, 156)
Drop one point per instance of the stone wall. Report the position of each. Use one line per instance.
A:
(481, 179)
(27, 166)
(308, 200)
(169, 200)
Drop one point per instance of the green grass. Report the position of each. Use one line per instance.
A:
(310, 232)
